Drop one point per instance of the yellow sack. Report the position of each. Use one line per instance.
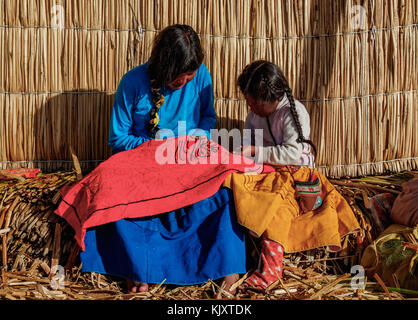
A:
(395, 264)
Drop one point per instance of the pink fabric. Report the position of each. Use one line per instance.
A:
(157, 177)
(270, 267)
(380, 207)
(405, 207)
(27, 173)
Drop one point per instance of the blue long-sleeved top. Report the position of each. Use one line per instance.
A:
(193, 103)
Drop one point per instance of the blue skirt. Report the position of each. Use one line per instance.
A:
(185, 246)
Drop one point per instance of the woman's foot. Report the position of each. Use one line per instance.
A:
(134, 286)
(226, 285)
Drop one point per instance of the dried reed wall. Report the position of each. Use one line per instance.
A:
(355, 71)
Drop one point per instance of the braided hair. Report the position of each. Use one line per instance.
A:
(263, 80)
(176, 50)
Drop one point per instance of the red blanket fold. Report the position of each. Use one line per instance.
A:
(159, 176)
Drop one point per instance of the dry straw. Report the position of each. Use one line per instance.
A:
(355, 71)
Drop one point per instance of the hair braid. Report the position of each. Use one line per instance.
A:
(301, 138)
(158, 100)
(274, 89)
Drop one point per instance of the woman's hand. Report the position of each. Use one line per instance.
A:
(249, 151)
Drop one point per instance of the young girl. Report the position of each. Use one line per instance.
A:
(284, 120)
(294, 208)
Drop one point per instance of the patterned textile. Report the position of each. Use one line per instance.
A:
(308, 193)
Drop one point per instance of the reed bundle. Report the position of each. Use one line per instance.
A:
(31, 232)
(61, 63)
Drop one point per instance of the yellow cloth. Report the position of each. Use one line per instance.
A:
(266, 203)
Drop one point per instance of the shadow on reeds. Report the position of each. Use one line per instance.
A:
(76, 119)
(315, 76)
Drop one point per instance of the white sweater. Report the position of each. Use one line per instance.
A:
(287, 151)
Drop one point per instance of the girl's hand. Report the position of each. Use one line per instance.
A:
(249, 151)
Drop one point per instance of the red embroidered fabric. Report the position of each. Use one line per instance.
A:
(159, 176)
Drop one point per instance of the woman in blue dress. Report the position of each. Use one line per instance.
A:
(172, 90)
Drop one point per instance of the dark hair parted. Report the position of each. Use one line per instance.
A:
(176, 50)
(263, 80)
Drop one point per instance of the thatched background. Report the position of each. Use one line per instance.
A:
(359, 83)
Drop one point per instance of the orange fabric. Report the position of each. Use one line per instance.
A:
(266, 204)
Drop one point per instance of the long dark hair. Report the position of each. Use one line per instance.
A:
(176, 50)
(263, 80)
